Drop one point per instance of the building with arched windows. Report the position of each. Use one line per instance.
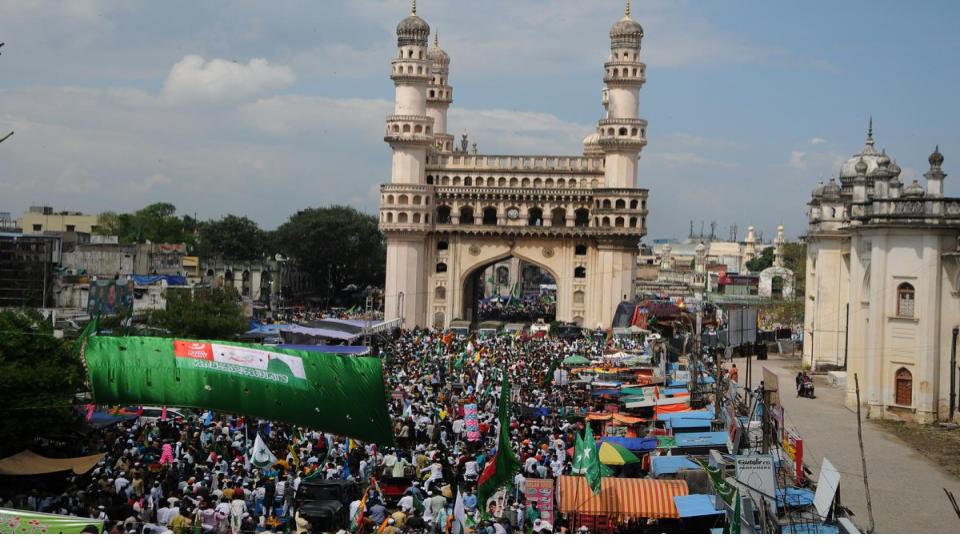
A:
(883, 285)
(449, 213)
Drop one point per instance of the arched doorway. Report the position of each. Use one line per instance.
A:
(529, 293)
(776, 287)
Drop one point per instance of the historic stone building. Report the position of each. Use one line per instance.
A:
(449, 213)
(883, 284)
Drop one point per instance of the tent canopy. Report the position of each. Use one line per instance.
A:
(634, 444)
(628, 497)
(701, 438)
(575, 360)
(661, 465)
(27, 463)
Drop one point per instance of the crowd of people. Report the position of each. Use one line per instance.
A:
(194, 474)
(518, 309)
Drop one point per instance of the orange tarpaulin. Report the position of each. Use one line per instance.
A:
(622, 497)
(599, 416)
(676, 407)
(630, 420)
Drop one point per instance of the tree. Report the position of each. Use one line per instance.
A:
(233, 237)
(764, 261)
(39, 376)
(337, 245)
(205, 314)
(795, 258)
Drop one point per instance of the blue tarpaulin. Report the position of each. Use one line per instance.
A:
(660, 465)
(689, 506)
(674, 391)
(699, 415)
(701, 438)
(151, 279)
(707, 379)
(634, 444)
(689, 423)
(795, 497)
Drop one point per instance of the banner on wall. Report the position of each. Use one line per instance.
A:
(23, 522)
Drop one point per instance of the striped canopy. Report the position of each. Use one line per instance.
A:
(622, 497)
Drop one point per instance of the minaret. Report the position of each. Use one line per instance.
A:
(935, 175)
(404, 213)
(778, 248)
(439, 95)
(409, 129)
(749, 250)
(622, 132)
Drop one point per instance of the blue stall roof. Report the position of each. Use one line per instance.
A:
(634, 444)
(795, 497)
(673, 391)
(701, 438)
(707, 379)
(689, 423)
(689, 506)
(690, 415)
(660, 465)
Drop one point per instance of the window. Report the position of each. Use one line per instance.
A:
(441, 267)
(440, 293)
(442, 245)
(558, 217)
(535, 217)
(581, 217)
(905, 297)
(579, 272)
(489, 216)
(903, 394)
(580, 249)
(443, 214)
(466, 215)
(37, 226)
(71, 228)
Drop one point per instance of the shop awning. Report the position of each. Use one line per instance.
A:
(622, 497)
(26, 463)
(661, 465)
(701, 438)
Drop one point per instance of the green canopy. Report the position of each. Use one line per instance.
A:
(633, 391)
(336, 394)
(23, 522)
(575, 360)
(665, 442)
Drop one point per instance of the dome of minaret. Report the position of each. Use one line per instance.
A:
(626, 33)
(936, 158)
(413, 30)
(914, 190)
(437, 55)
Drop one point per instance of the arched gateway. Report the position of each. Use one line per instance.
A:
(450, 212)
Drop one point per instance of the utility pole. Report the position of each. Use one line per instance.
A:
(953, 374)
(8, 135)
(863, 457)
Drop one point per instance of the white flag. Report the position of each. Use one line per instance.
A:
(261, 455)
(479, 383)
(459, 514)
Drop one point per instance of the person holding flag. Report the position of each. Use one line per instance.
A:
(504, 464)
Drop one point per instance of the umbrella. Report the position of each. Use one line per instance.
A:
(615, 454)
(575, 360)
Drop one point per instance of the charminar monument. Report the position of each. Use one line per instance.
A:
(448, 212)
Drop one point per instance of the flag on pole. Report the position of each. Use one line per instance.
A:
(578, 456)
(499, 472)
(261, 456)
(591, 460)
(459, 514)
(735, 522)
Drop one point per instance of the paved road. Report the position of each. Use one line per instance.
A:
(906, 487)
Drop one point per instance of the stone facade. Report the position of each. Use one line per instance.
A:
(449, 212)
(883, 282)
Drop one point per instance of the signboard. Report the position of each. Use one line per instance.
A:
(616, 431)
(742, 326)
(793, 447)
(733, 428)
(110, 297)
(471, 422)
(827, 485)
(757, 472)
(772, 382)
(540, 491)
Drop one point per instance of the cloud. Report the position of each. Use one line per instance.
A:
(798, 160)
(194, 79)
(817, 140)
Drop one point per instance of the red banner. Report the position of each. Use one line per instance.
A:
(193, 350)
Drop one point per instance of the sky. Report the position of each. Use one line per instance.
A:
(263, 108)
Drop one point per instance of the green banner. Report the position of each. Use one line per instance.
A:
(335, 394)
(22, 522)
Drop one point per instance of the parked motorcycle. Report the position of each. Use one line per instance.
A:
(806, 389)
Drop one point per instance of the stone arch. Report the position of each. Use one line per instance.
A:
(620, 204)
(438, 320)
(443, 214)
(490, 215)
(558, 217)
(417, 199)
(535, 217)
(605, 222)
(389, 217)
(403, 199)
(389, 199)
(903, 387)
(633, 204)
(605, 204)
(402, 217)
(441, 267)
(466, 215)
(618, 222)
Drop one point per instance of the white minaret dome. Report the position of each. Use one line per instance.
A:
(413, 30)
(626, 33)
(438, 56)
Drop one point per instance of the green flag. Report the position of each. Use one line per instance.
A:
(499, 472)
(336, 394)
(735, 525)
(591, 460)
(578, 455)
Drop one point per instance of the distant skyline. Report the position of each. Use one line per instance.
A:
(262, 109)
